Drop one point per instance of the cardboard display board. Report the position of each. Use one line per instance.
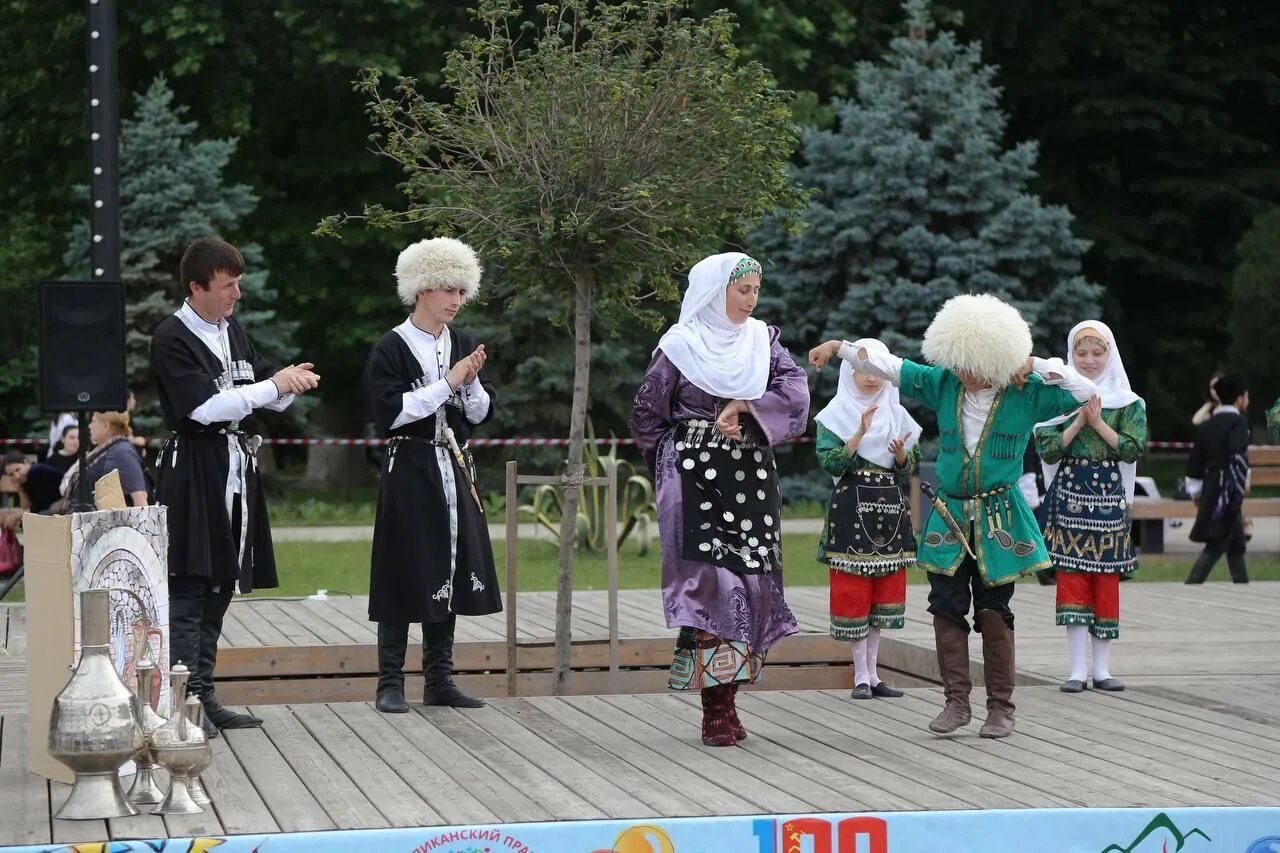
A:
(119, 549)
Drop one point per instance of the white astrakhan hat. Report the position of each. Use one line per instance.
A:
(436, 264)
(980, 334)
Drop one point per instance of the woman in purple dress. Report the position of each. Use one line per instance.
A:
(719, 393)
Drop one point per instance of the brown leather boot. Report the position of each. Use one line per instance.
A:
(997, 664)
(952, 642)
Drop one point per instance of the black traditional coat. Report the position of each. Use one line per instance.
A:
(432, 557)
(194, 469)
(1217, 440)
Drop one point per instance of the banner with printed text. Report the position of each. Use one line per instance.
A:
(1193, 830)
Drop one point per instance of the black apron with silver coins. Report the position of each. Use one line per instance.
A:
(732, 500)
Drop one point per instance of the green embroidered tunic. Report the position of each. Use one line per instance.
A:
(980, 490)
(1130, 424)
(834, 457)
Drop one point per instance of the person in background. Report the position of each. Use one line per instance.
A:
(37, 485)
(1218, 480)
(68, 447)
(112, 451)
(1211, 402)
(57, 425)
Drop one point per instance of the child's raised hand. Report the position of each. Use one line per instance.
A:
(898, 446)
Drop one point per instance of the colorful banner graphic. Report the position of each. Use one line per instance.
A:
(1196, 830)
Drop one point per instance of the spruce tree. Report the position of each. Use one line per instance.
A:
(172, 190)
(916, 199)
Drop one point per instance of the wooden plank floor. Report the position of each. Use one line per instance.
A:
(343, 765)
(1214, 644)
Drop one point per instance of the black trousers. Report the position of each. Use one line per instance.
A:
(196, 610)
(1233, 545)
(950, 596)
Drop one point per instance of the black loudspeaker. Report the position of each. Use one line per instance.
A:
(82, 346)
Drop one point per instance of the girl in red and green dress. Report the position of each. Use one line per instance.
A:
(869, 444)
(1091, 458)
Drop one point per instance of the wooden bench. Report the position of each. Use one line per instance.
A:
(1150, 514)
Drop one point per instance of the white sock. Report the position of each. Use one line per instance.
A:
(873, 654)
(1101, 659)
(1077, 644)
(860, 675)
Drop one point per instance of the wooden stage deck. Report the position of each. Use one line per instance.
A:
(345, 766)
(1200, 725)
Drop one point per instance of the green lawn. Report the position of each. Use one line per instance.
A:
(343, 567)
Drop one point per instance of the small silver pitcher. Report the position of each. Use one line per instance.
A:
(178, 747)
(94, 727)
(195, 713)
(144, 790)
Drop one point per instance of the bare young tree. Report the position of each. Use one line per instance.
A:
(592, 154)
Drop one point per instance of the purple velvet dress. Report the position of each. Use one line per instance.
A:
(743, 609)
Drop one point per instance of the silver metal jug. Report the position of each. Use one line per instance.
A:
(144, 790)
(178, 747)
(195, 713)
(94, 727)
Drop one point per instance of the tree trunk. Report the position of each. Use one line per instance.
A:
(583, 281)
(334, 467)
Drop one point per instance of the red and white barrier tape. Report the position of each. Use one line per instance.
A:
(489, 442)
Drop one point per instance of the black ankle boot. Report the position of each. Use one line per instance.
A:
(437, 667)
(393, 638)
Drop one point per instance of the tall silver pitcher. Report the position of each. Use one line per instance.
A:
(94, 727)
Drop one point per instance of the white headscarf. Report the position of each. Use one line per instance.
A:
(844, 413)
(1113, 389)
(721, 357)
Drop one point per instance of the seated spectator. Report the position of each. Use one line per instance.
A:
(112, 451)
(67, 448)
(37, 485)
(57, 425)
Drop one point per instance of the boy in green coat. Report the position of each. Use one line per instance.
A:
(988, 393)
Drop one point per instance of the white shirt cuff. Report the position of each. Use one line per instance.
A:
(422, 403)
(475, 402)
(882, 365)
(1055, 372)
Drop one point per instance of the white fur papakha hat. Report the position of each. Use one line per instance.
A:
(980, 334)
(436, 264)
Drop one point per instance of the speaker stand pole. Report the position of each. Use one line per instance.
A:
(82, 500)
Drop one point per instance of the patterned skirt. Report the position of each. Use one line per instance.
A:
(1087, 526)
(704, 660)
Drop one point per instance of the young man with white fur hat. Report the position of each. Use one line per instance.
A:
(988, 393)
(432, 559)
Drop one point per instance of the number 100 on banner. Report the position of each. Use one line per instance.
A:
(817, 835)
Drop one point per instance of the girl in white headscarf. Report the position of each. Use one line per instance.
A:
(869, 444)
(1090, 463)
(719, 393)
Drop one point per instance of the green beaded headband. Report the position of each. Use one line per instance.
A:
(744, 268)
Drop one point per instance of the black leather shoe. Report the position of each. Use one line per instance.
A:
(207, 726)
(225, 718)
(449, 695)
(884, 691)
(1111, 685)
(1072, 685)
(862, 691)
(391, 701)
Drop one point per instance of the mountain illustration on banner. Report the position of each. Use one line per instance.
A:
(1160, 821)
